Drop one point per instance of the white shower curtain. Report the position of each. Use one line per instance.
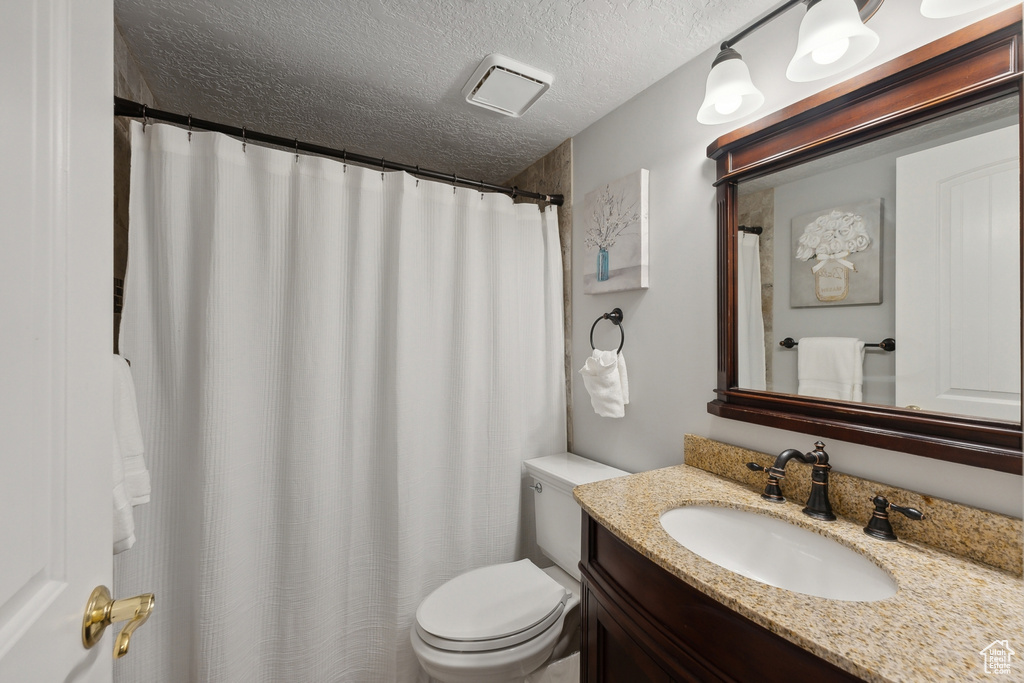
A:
(750, 320)
(338, 377)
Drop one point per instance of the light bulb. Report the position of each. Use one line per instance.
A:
(727, 104)
(730, 94)
(832, 38)
(830, 52)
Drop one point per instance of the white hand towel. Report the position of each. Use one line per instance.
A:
(620, 363)
(124, 521)
(129, 433)
(831, 367)
(131, 478)
(604, 376)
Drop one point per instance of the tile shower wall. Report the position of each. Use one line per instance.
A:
(552, 174)
(129, 83)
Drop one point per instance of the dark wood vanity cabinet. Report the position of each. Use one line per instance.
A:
(641, 623)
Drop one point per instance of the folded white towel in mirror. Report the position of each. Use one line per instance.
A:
(604, 376)
(831, 367)
(131, 477)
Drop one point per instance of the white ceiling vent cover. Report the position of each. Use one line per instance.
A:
(505, 85)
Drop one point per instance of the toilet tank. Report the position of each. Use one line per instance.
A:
(557, 512)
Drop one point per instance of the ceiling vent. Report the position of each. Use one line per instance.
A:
(505, 85)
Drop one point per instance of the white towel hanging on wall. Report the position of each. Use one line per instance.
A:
(131, 476)
(604, 376)
(831, 367)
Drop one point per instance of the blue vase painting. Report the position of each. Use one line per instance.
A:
(602, 265)
(616, 229)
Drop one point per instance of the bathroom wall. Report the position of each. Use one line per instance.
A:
(552, 174)
(671, 327)
(853, 184)
(130, 83)
(849, 184)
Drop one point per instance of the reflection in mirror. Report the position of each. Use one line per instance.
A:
(916, 237)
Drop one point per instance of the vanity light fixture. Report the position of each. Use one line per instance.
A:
(729, 94)
(832, 38)
(940, 9)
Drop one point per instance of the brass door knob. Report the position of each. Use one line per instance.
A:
(101, 611)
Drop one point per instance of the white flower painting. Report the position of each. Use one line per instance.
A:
(615, 225)
(833, 236)
(838, 255)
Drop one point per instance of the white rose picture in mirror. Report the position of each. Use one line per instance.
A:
(838, 255)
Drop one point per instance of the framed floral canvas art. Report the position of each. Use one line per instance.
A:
(615, 223)
(837, 256)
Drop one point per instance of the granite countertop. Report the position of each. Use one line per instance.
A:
(947, 608)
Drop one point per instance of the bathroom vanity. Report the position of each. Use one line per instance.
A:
(641, 623)
(655, 611)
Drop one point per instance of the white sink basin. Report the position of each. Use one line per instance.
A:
(777, 553)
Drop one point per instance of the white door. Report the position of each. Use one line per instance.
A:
(56, 196)
(958, 277)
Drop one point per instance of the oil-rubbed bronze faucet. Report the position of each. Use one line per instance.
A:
(818, 504)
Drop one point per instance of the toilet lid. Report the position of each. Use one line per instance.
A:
(491, 603)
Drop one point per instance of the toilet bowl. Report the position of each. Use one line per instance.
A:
(499, 635)
(501, 622)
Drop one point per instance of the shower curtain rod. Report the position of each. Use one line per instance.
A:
(128, 108)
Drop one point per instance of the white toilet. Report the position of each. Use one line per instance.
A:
(500, 623)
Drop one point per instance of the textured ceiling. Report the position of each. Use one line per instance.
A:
(384, 77)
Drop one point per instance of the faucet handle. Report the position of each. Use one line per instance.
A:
(879, 525)
(772, 491)
(912, 513)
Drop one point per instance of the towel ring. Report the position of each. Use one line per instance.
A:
(616, 319)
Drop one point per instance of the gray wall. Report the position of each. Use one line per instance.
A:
(849, 185)
(671, 328)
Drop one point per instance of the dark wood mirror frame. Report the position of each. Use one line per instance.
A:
(977, 64)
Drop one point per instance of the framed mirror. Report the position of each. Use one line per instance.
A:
(881, 225)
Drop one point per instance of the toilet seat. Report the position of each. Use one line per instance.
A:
(491, 608)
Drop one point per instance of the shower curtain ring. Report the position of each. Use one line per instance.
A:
(145, 118)
(515, 191)
(296, 150)
(190, 127)
(417, 175)
(244, 142)
(344, 161)
(382, 169)
(455, 179)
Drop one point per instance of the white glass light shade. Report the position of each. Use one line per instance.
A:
(940, 9)
(730, 94)
(832, 38)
